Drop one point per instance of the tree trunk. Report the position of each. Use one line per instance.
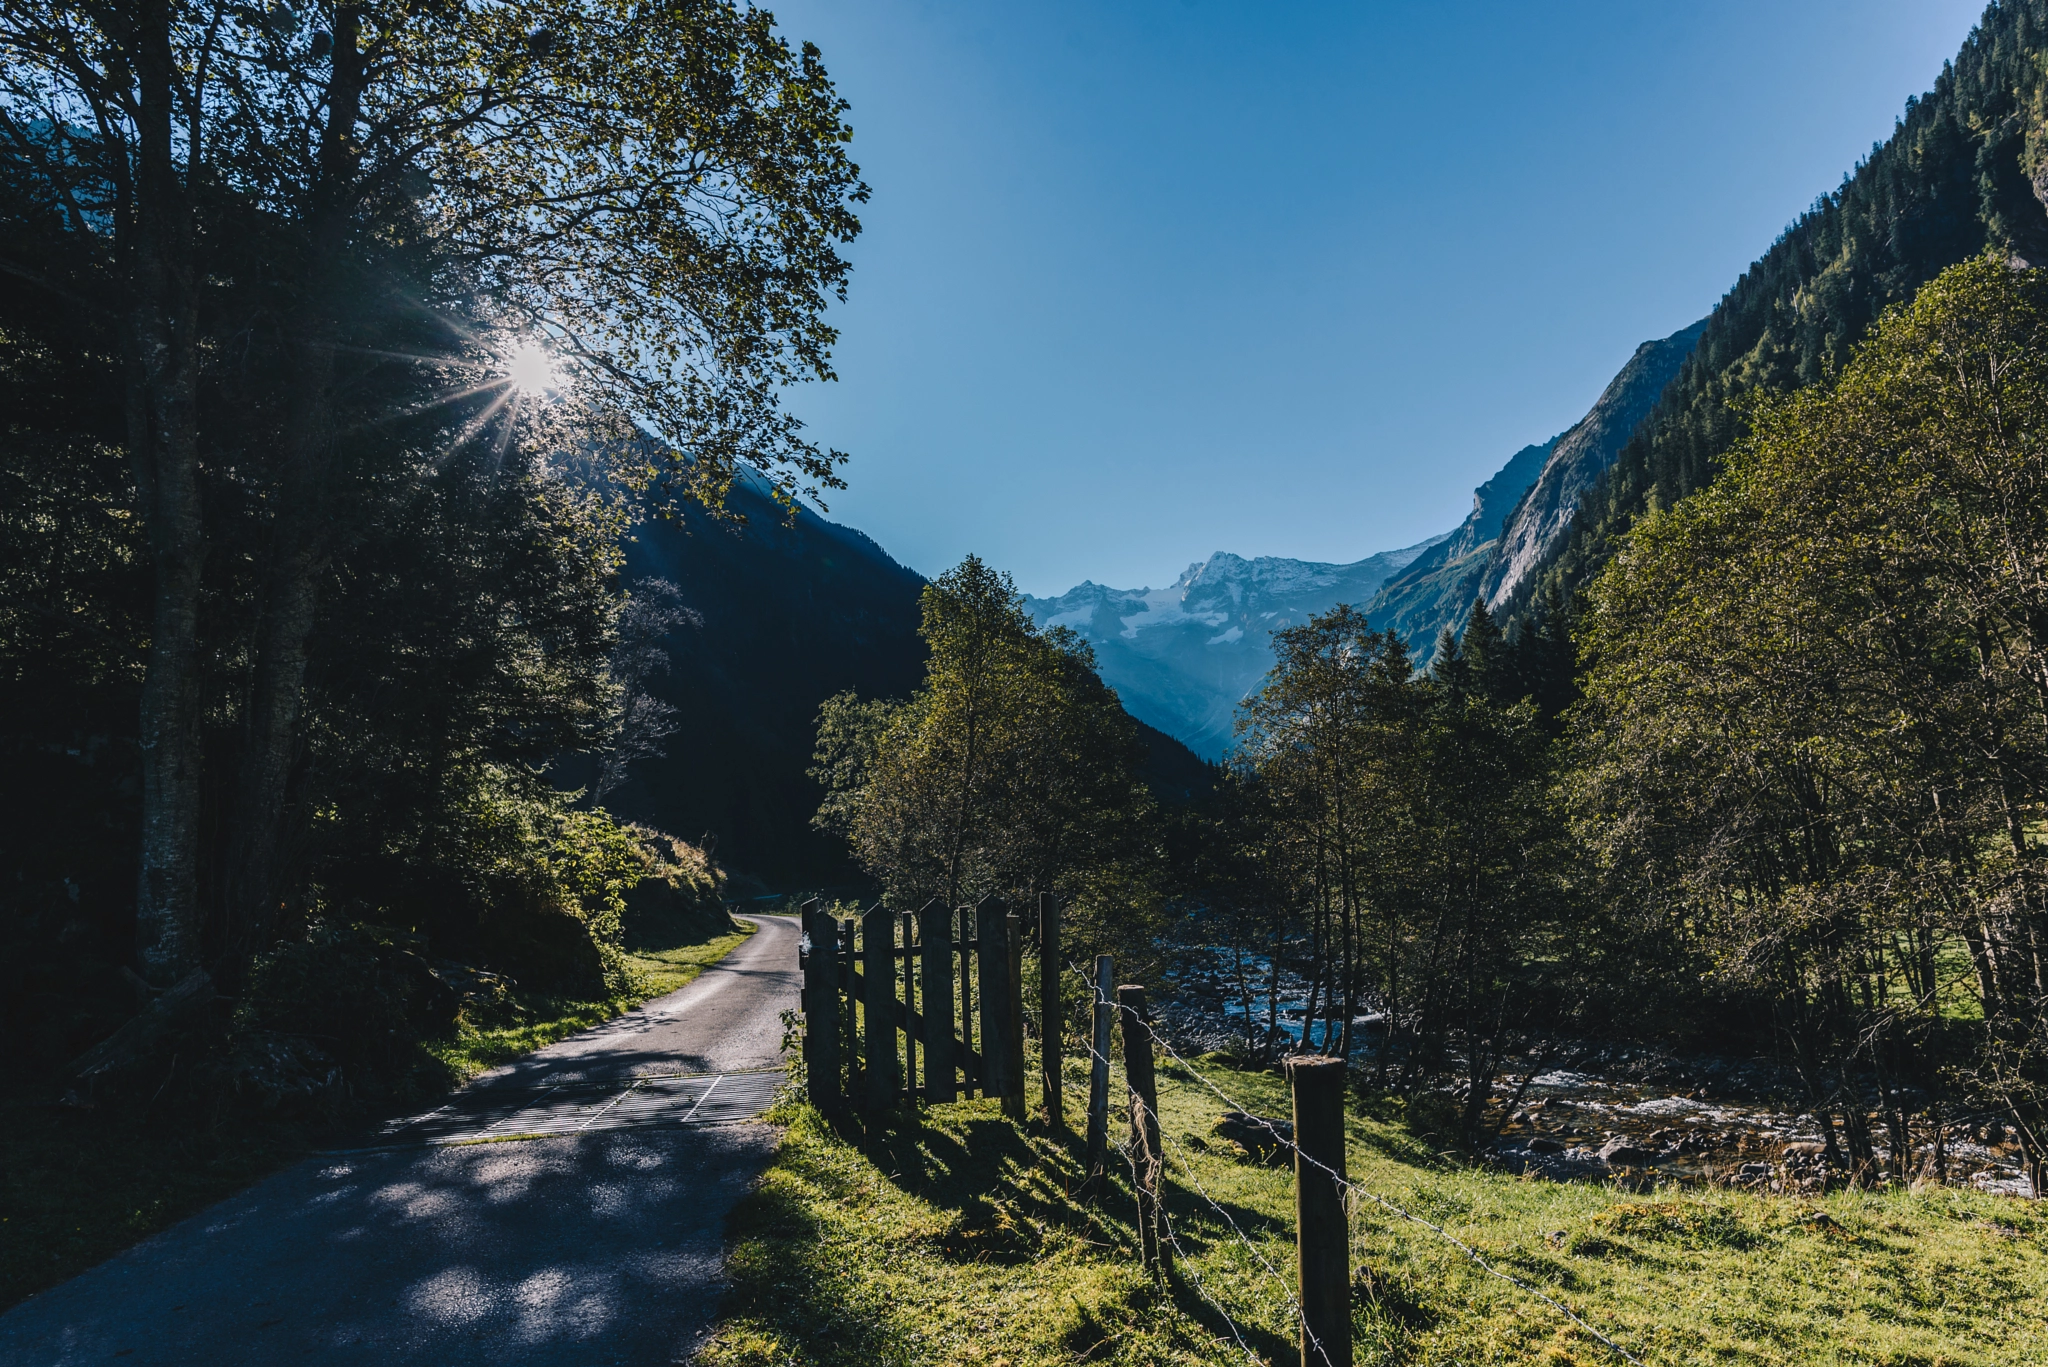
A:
(162, 387)
(299, 542)
(277, 692)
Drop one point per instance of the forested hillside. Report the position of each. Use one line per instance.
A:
(1966, 167)
(781, 609)
(788, 610)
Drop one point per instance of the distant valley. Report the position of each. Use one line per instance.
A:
(1182, 657)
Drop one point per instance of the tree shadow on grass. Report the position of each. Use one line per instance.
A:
(1008, 1187)
(992, 1193)
(792, 1295)
(1189, 1300)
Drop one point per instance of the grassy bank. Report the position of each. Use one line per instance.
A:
(956, 1238)
(535, 1022)
(79, 1186)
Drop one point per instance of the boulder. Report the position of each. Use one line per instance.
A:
(1261, 1137)
(1624, 1152)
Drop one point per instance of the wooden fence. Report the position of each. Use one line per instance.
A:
(902, 1006)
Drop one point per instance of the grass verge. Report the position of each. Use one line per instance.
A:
(533, 1021)
(952, 1236)
(77, 1187)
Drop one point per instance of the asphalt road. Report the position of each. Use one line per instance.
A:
(601, 1242)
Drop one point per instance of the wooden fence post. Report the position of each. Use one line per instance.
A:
(1322, 1235)
(1147, 1143)
(808, 996)
(821, 1007)
(1013, 1035)
(969, 942)
(935, 929)
(910, 1032)
(1098, 1072)
(1049, 1013)
(878, 969)
(849, 977)
(992, 939)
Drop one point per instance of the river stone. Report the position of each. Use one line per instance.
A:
(1623, 1152)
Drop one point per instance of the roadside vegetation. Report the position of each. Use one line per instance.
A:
(327, 419)
(1775, 785)
(951, 1236)
(80, 1184)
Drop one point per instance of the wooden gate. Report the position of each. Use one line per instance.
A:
(892, 1002)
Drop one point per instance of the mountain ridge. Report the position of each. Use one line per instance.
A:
(1182, 657)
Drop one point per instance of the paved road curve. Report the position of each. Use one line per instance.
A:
(599, 1242)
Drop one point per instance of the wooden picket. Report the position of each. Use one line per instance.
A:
(879, 1000)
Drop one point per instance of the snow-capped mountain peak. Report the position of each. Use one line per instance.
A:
(1182, 657)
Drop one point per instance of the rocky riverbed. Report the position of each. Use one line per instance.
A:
(1602, 1113)
(1580, 1123)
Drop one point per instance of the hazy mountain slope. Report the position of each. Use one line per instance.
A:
(1182, 657)
(1437, 588)
(793, 612)
(1963, 169)
(1579, 459)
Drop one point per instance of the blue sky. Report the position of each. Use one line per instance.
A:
(1147, 279)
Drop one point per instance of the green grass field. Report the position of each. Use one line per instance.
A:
(954, 1237)
(77, 1187)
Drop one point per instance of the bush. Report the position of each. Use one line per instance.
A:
(680, 894)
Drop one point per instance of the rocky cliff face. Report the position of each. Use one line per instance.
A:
(1181, 658)
(1578, 460)
(1437, 588)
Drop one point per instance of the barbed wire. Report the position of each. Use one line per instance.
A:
(1181, 1254)
(1471, 1253)
(1188, 1168)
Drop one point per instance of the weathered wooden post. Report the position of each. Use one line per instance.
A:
(935, 929)
(808, 995)
(1098, 1071)
(1049, 1010)
(1147, 1142)
(849, 977)
(878, 971)
(821, 1007)
(992, 939)
(1013, 1035)
(969, 944)
(909, 1006)
(1322, 1234)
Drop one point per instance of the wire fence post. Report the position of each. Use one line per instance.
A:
(1013, 1037)
(849, 980)
(1322, 1234)
(935, 929)
(908, 953)
(1098, 1072)
(1146, 1143)
(878, 956)
(992, 950)
(1049, 1033)
(821, 1007)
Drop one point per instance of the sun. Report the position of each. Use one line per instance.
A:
(530, 370)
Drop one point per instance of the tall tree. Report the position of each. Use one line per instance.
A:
(1012, 770)
(640, 205)
(1814, 730)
